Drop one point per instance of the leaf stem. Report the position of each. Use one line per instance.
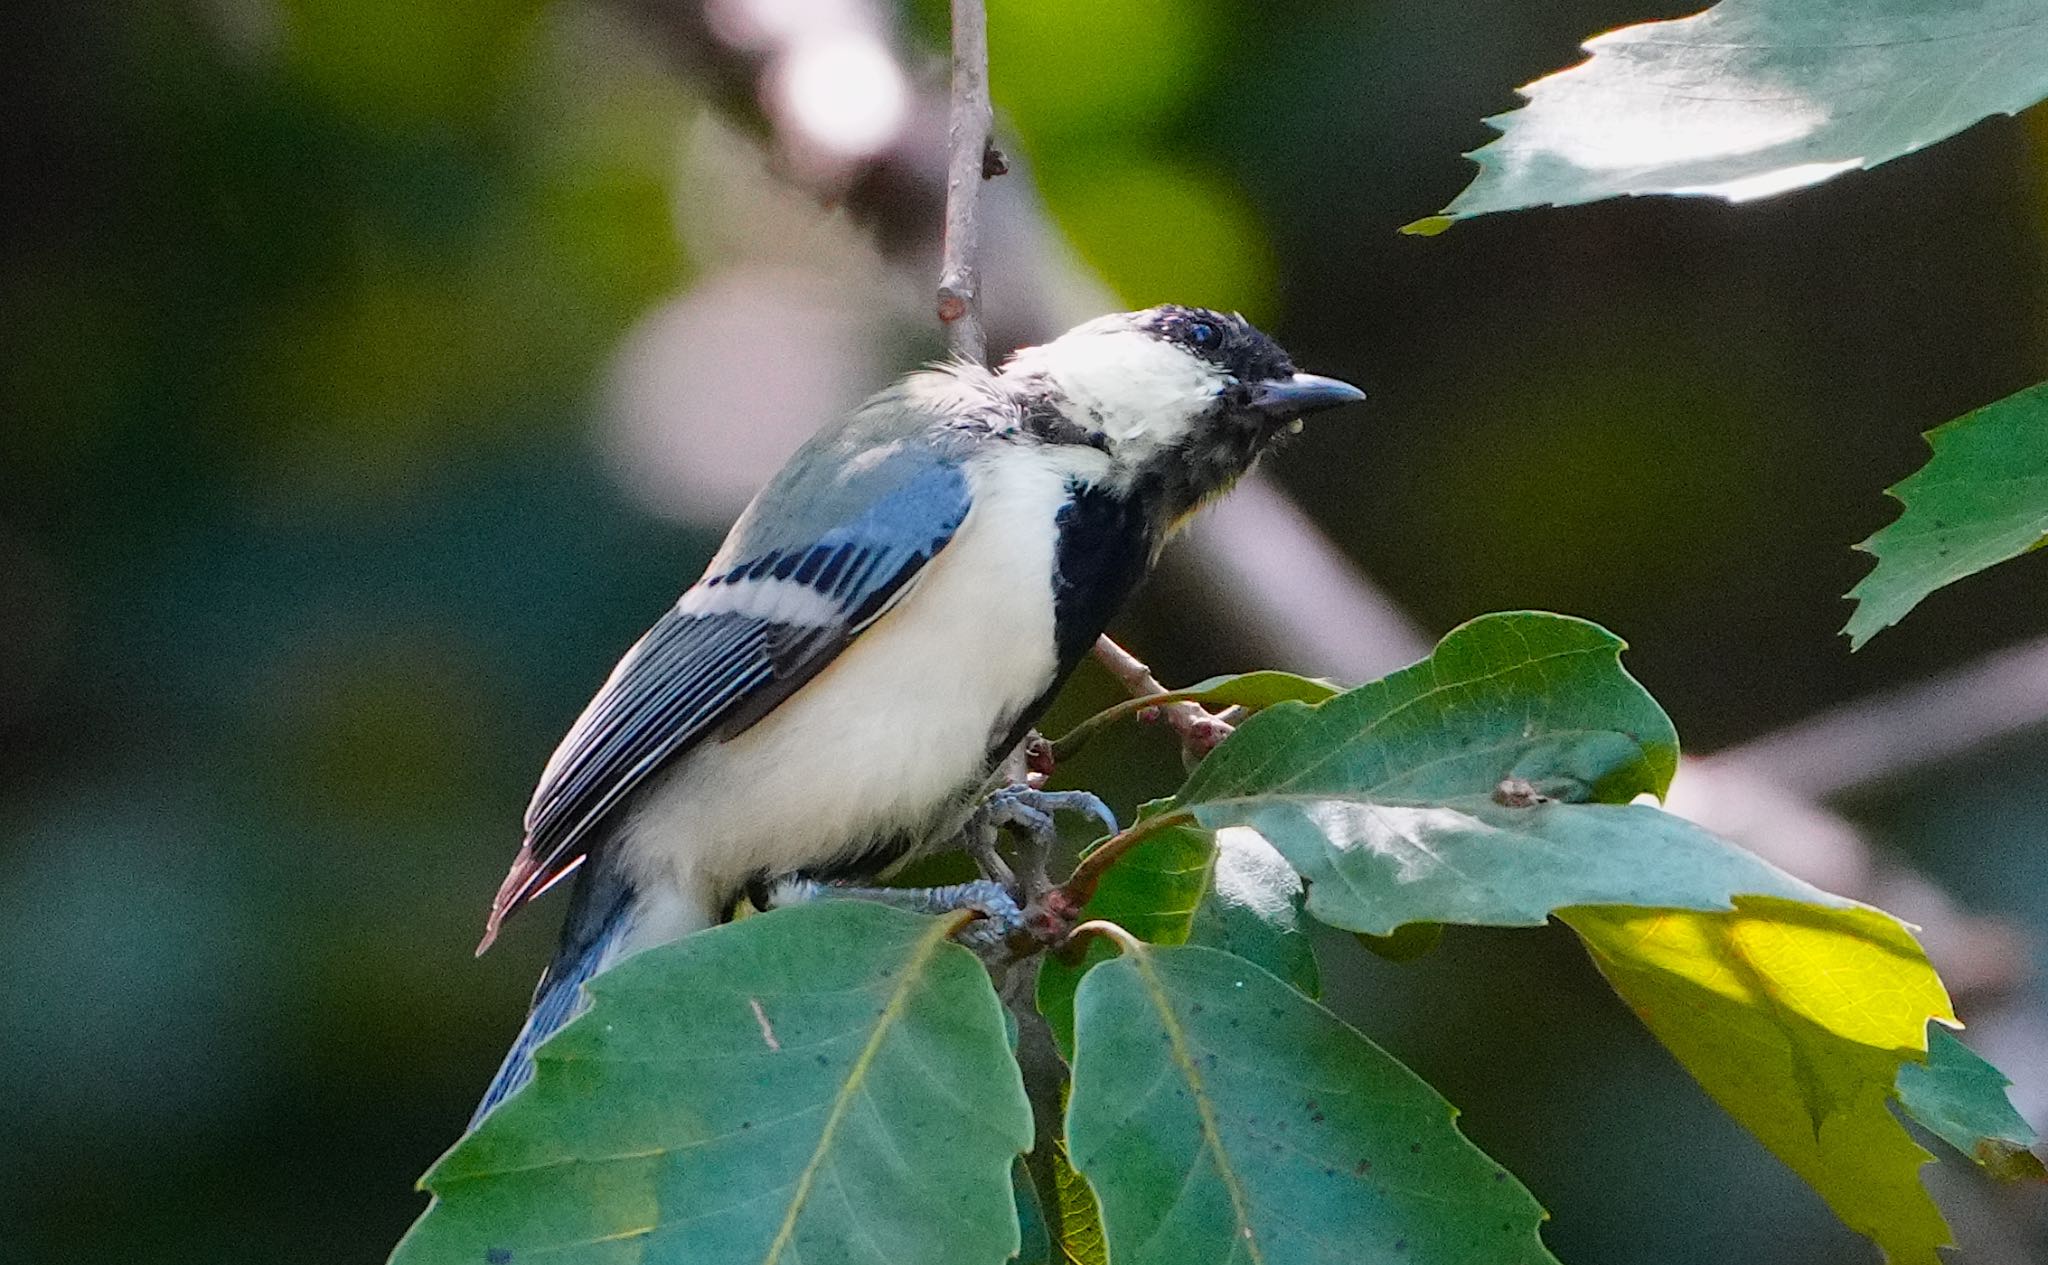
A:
(1124, 940)
(1080, 885)
(1071, 742)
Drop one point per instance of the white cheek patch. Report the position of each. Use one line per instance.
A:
(777, 601)
(1138, 388)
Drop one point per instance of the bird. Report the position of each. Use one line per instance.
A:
(880, 629)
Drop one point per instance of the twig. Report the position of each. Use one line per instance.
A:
(1877, 739)
(1045, 1076)
(970, 121)
(1200, 729)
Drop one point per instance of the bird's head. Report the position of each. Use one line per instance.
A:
(1182, 399)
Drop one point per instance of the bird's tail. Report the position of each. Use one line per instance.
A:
(594, 935)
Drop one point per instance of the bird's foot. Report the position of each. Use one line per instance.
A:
(1001, 916)
(1030, 812)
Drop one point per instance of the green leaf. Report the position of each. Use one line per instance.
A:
(824, 1082)
(1961, 1099)
(1755, 97)
(1221, 1116)
(1254, 909)
(1249, 690)
(1798, 1020)
(1449, 791)
(1255, 690)
(1980, 499)
(1035, 1239)
(1228, 891)
(1081, 1239)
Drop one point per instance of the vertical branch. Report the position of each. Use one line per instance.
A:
(971, 159)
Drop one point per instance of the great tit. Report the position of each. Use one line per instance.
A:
(882, 627)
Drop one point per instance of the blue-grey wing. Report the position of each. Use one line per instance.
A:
(740, 641)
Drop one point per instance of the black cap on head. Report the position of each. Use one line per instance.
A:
(1226, 340)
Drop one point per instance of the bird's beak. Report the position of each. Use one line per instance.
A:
(1301, 394)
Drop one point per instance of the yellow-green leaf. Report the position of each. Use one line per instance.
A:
(1796, 1018)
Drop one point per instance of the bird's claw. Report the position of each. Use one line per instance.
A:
(1031, 810)
(1002, 917)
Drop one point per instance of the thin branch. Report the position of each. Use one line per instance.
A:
(1200, 729)
(1877, 739)
(970, 122)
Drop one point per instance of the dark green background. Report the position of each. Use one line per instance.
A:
(307, 553)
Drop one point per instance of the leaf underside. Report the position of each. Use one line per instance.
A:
(825, 1082)
(1488, 784)
(1221, 1116)
(1756, 97)
(1797, 1020)
(1981, 499)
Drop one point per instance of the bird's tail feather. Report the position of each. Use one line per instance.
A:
(598, 920)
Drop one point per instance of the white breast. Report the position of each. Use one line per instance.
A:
(893, 734)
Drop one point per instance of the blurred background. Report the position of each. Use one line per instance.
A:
(372, 372)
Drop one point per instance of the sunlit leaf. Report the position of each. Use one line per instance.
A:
(1961, 1098)
(1798, 1020)
(1453, 790)
(825, 1082)
(1755, 97)
(1221, 1117)
(1980, 499)
(1228, 891)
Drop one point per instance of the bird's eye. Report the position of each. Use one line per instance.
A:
(1204, 336)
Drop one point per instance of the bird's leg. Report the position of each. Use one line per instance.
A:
(999, 896)
(1002, 915)
(980, 840)
(1030, 811)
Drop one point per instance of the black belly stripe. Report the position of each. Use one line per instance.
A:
(1104, 551)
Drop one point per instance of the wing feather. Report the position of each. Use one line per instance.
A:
(738, 642)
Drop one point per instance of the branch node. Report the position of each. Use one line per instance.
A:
(969, 125)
